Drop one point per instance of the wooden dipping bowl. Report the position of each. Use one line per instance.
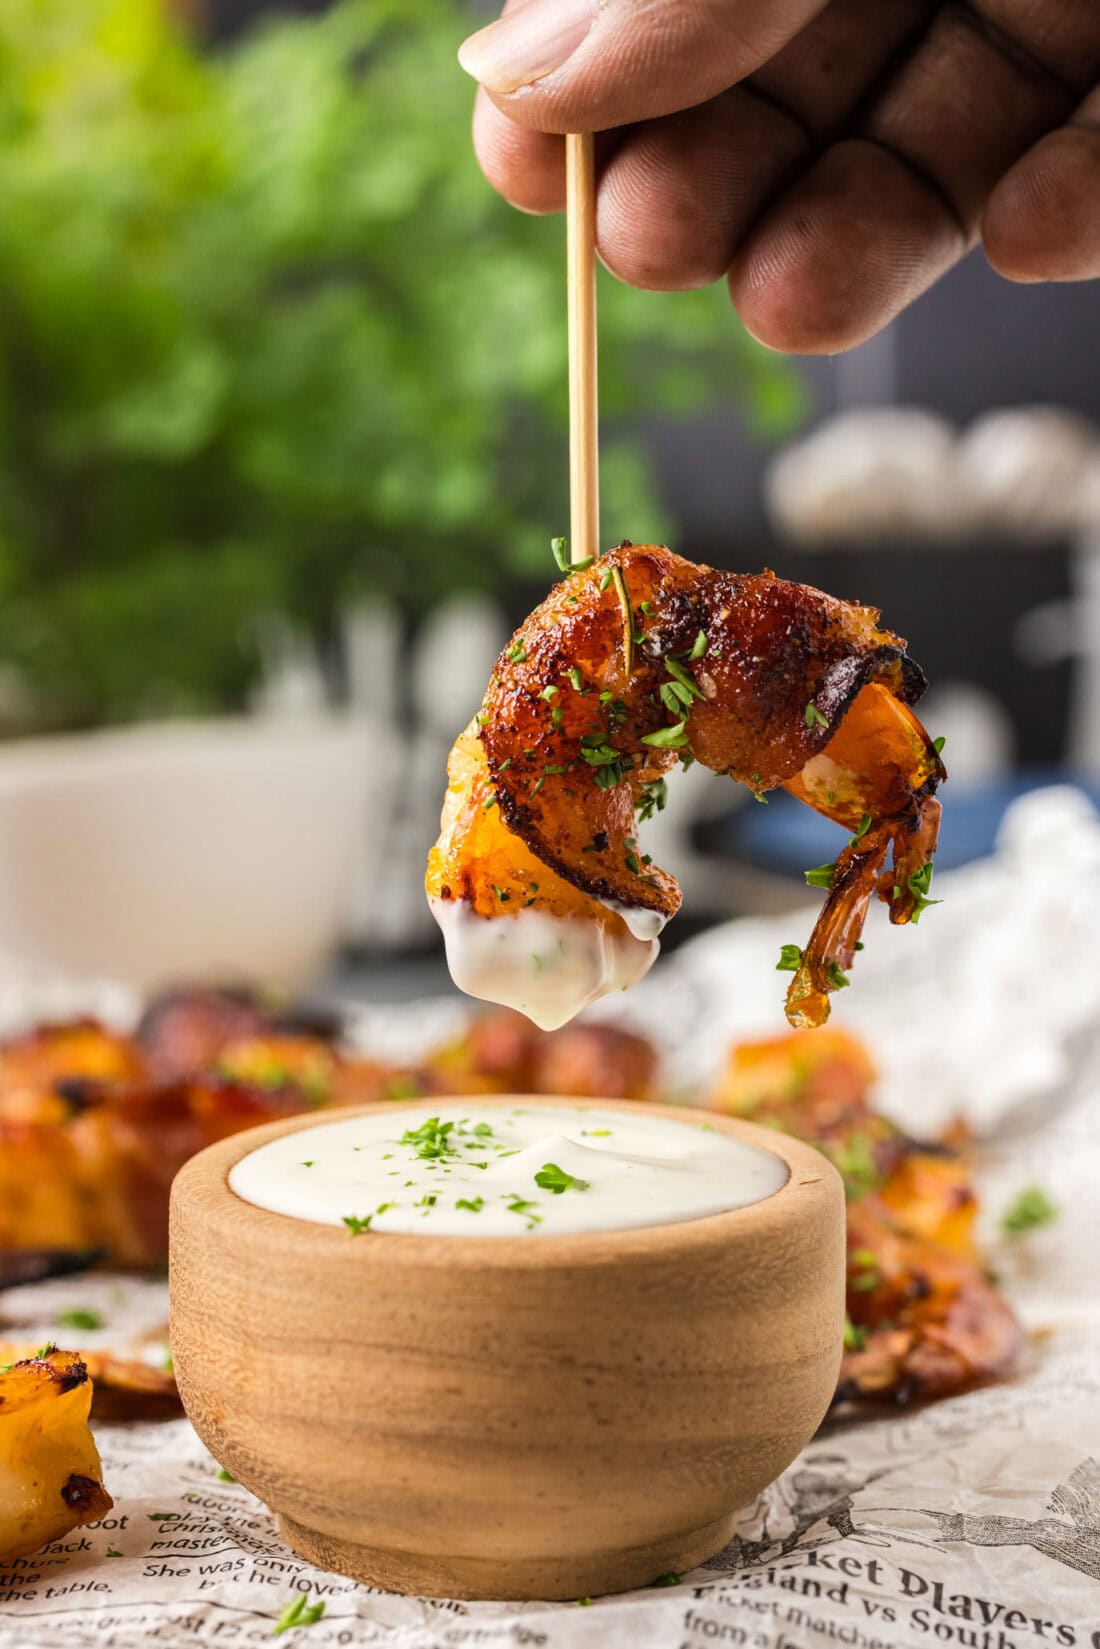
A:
(507, 1417)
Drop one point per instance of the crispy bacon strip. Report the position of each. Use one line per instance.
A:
(643, 659)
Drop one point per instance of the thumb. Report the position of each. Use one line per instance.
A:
(586, 65)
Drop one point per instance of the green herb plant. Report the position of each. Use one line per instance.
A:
(269, 342)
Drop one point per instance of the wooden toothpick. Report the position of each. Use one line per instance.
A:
(584, 475)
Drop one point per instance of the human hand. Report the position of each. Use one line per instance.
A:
(831, 160)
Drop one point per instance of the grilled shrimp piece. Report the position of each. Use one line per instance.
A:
(51, 1479)
(925, 1321)
(631, 664)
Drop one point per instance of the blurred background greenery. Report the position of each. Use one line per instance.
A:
(268, 342)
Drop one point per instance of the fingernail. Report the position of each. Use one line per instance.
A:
(528, 43)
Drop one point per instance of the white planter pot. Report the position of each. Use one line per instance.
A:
(195, 850)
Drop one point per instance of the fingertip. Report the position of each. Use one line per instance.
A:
(679, 193)
(1042, 222)
(852, 243)
(642, 249)
(526, 167)
(792, 311)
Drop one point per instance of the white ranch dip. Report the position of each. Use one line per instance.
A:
(548, 967)
(459, 1169)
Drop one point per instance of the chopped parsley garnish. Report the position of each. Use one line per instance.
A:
(854, 1338)
(298, 1613)
(610, 764)
(1030, 1209)
(501, 894)
(683, 679)
(628, 619)
(652, 798)
(522, 1206)
(668, 738)
(632, 863)
(78, 1317)
(918, 885)
(384, 1207)
(611, 775)
(855, 1163)
(432, 1139)
(224, 1476)
(820, 876)
(402, 1086)
(559, 548)
(938, 744)
(790, 959)
(813, 717)
(518, 653)
(596, 751)
(699, 646)
(473, 1205)
(555, 1180)
(357, 1225)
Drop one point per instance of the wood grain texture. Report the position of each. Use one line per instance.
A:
(521, 1416)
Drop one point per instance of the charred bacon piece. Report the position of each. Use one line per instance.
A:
(504, 1053)
(185, 1029)
(38, 1265)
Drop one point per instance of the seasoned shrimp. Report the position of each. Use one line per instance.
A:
(633, 663)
